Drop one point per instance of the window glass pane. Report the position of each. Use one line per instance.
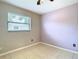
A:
(27, 19)
(18, 18)
(18, 22)
(18, 27)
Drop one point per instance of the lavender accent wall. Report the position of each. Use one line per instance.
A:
(60, 27)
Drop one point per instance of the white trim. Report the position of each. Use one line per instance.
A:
(60, 48)
(36, 44)
(19, 49)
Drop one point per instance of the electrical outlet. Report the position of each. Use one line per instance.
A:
(74, 45)
(32, 40)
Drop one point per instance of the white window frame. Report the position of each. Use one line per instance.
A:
(17, 30)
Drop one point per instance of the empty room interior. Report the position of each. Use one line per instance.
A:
(38, 29)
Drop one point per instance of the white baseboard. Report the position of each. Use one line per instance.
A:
(19, 49)
(12, 51)
(59, 48)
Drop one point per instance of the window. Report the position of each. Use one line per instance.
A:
(18, 23)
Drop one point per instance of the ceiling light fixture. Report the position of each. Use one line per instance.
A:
(38, 2)
(51, 0)
(41, 1)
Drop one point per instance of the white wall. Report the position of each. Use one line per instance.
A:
(60, 27)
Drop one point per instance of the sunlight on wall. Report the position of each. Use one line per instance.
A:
(60, 27)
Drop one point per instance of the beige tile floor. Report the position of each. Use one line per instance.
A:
(41, 51)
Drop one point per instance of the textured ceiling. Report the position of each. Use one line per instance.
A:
(45, 7)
